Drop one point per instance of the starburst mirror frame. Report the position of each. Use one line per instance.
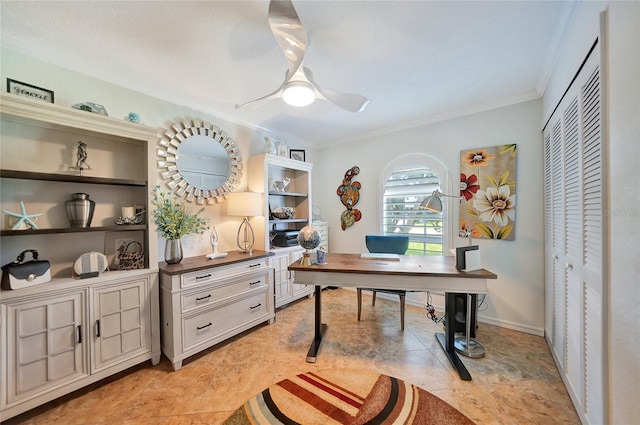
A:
(169, 143)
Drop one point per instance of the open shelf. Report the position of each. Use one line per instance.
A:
(302, 195)
(288, 220)
(28, 175)
(114, 228)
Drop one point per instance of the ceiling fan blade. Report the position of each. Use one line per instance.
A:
(288, 32)
(348, 101)
(273, 94)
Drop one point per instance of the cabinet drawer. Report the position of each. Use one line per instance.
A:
(214, 293)
(212, 275)
(210, 324)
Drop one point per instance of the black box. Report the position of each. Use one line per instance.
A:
(285, 238)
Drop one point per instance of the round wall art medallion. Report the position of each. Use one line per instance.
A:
(199, 162)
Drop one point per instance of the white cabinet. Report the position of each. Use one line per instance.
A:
(323, 228)
(574, 271)
(264, 171)
(121, 321)
(62, 335)
(56, 341)
(39, 142)
(285, 288)
(44, 345)
(206, 301)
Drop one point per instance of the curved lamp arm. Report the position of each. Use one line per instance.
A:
(434, 203)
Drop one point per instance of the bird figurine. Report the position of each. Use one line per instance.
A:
(281, 185)
(269, 146)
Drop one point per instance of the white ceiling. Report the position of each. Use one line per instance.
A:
(418, 61)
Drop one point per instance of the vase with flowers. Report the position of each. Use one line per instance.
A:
(174, 221)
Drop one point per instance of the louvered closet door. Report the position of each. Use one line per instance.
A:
(592, 253)
(573, 245)
(555, 316)
(549, 307)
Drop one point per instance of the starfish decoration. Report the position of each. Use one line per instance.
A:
(23, 217)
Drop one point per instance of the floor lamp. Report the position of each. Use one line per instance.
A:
(465, 346)
(245, 204)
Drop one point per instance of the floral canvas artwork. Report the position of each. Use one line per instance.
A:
(488, 185)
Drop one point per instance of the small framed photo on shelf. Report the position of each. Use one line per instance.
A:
(297, 154)
(24, 89)
(281, 148)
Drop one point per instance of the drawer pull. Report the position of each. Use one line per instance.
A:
(97, 329)
(254, 283)
(202, 327)
(255, 306)
(198, 299)
(79, 334)
(254, 265)
(203, 277)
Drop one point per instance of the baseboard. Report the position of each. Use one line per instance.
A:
(482, 319)
(511, 325)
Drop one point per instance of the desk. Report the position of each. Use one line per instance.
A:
(422, 273)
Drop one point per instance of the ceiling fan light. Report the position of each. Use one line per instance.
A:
(298, 93)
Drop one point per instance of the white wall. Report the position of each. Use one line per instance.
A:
(624, 202)
(621, 74)
(71, 87)
(516, 298)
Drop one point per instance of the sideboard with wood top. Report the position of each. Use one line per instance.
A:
(205, 301)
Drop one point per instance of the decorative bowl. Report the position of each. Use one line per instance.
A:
(127, 220)
(283, 212)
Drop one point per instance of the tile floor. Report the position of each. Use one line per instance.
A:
(515, 383)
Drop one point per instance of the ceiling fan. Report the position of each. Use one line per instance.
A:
(299, 87)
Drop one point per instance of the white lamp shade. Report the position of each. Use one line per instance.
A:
(244, 204)
(432, 203)
(298, 93)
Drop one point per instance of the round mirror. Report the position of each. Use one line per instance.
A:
(202, 163)
(199, 161)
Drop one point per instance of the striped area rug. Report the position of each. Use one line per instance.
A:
(339, 397)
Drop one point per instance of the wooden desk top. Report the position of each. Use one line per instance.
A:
(409, 265)
(191, 264)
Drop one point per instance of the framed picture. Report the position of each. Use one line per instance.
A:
(282, 149)
(297, 154)
(24, 89)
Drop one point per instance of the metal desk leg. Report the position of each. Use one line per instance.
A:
(319, 327)
(447, 339)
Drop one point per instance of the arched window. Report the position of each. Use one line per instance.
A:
(405, 182)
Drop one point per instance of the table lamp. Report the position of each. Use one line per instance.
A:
(465, 346)
(245, 204)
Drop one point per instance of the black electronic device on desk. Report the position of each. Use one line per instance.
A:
(284, 238)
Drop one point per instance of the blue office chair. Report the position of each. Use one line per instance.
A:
(386, 244)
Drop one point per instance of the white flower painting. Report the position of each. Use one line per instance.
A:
(488, 185)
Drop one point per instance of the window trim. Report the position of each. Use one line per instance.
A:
(446, 185)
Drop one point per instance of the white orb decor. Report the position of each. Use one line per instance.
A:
(309, 238)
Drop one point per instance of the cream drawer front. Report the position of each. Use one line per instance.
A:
(210, 324)
(203, 277)
(212, 294)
